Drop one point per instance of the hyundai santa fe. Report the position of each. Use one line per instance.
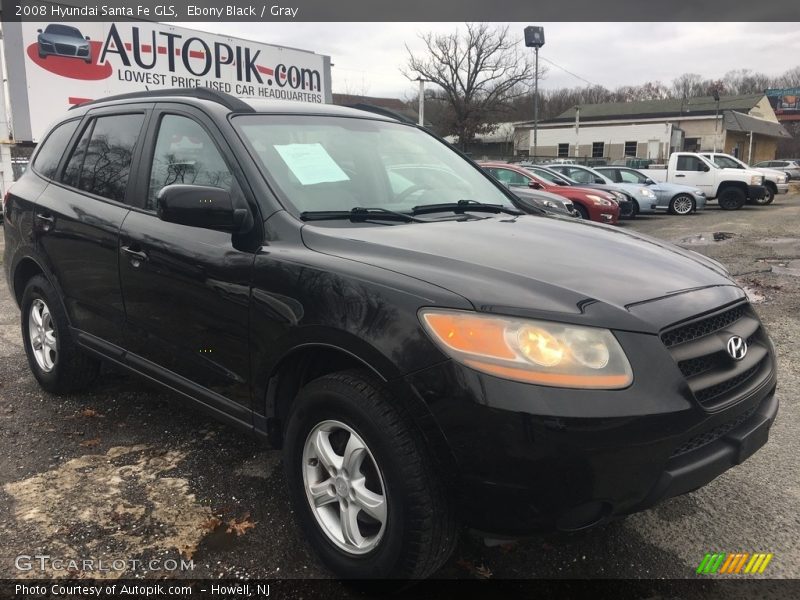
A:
(356, 291)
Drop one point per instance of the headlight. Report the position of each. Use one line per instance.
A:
(782, 178)
(550, 204)
(540, 352)
(756, 180)
(647, 193)
(598, 200)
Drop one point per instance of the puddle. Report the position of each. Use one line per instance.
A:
(704, 238)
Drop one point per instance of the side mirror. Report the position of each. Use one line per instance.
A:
(560, 182)
(705, 168)
(202, 206)
(87, 38)
(649, 181)
(534, 184)
(598, 180)
(38, 31)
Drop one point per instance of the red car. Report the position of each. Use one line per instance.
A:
(595, 205)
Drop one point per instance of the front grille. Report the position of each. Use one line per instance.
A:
(65, 49)
(690, 332)
(700, 350)
(712, 435)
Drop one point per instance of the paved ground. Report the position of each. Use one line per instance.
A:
(126, 472)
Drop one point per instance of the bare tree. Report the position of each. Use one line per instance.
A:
(479, 73)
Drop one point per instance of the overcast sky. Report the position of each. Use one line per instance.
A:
(368, 57)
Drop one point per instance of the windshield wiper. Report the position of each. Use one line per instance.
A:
(360, 214)
(463, 206)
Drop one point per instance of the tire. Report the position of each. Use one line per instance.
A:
(682, 204)
(635, 211)
(418, 531)
(582, 212)
(59, 366)
(731, 198)
(769, 196)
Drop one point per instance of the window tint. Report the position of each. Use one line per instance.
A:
(53, 148)
(185, 153)
(101, 161)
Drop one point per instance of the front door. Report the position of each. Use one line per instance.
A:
(186, 289)
(693, 171)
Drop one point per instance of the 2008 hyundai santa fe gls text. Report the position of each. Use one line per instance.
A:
(353, 288)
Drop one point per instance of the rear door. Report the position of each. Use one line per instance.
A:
(78, 217)
(186, 289)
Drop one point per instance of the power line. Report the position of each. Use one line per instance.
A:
(571, 73)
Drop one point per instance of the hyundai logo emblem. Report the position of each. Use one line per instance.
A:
(737, 348)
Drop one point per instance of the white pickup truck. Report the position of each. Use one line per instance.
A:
(731, 187)
(776, 182)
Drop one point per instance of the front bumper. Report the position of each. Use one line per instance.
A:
(783, 188)
(530, 458)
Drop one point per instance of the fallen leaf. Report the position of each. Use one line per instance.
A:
(188, 551)
(211, 524)
(240, 526)
(94, 442)
(483, 572)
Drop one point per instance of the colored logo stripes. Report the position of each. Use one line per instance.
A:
(734, 563)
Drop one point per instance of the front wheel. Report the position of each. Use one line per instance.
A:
(582, 212)
(769, 196)
(731, 198)
(681, 204)
(362, 484)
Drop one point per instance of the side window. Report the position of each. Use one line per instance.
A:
(185, 153)
(629, 177)
(580, 176)
(512, 177)
(689, 163)
(101, 161)
(53, 148)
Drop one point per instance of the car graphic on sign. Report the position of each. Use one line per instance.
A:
(62, 40)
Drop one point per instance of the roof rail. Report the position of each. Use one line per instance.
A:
(379, 110)
(202, 93)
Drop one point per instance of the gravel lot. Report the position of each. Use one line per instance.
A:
(127, 471)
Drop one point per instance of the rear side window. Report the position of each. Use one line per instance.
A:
(101, 161)
(53, 148)
(689, 163)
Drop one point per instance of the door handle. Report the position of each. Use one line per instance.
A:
(46, 220)
(137, 257)
(679, 175)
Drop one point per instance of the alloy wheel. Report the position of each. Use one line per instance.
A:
(344, 487)
(42, 335)
(682, 205)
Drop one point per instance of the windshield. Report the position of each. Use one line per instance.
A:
(323, 163)
(63, 30)
(553, 177)
(727, 163)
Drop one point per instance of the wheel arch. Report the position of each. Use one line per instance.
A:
(26, 269)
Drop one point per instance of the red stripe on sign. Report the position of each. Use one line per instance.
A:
(265, 70)
(162, 49)
(128, 46)
(73, 100)
(147, 48)
(196, 54)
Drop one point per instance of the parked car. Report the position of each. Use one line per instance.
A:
(539, 200)
(424, 353)
(641, 196)
(775, 181)
(731, 187)
(674, 198)
(586, 203)
(790, 166)
(589, 204)
(63, 40)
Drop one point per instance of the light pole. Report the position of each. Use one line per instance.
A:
(534, 38)
(716, 119)
(421, 101)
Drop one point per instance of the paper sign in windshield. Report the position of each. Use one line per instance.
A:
(311, 163)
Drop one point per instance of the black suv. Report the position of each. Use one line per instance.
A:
(352, 288)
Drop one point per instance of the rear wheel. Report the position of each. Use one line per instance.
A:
(361, 481)
(682, 204)
(731, 198)
(582, 212)
(57, 363)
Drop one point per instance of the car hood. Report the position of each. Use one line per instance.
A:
(532, 263)
(63, 39)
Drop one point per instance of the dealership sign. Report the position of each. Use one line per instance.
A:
(52, 66)
(784, 100)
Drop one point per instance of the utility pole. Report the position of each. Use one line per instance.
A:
(534, 38)
(577, 129)
(716, 120)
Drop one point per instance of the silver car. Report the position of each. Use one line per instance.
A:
(63, 40)
(790, 166)
(643, 198)
(672, 197)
